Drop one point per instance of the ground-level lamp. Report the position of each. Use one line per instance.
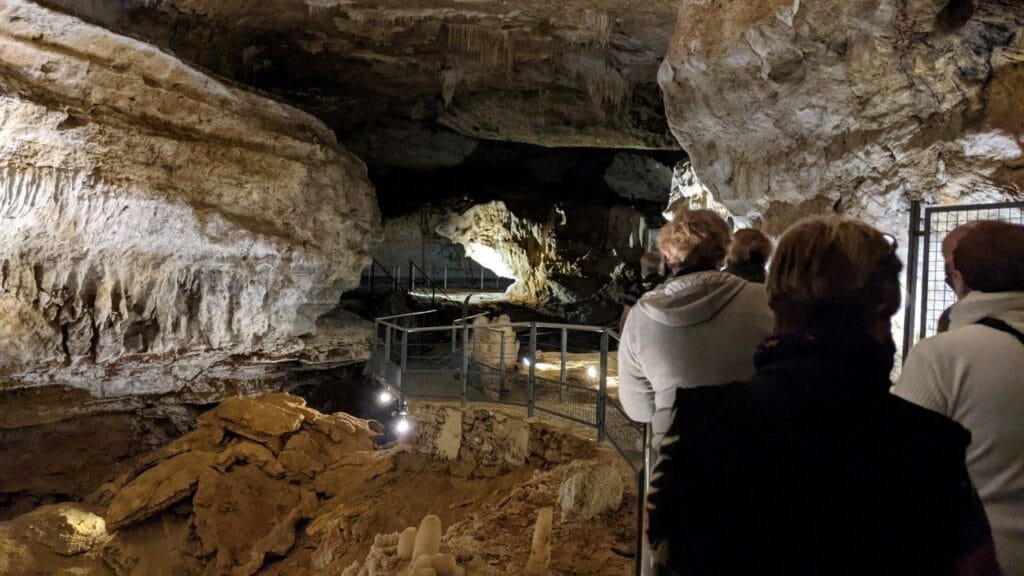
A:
(403, 424)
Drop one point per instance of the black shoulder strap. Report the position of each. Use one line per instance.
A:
(997, 324)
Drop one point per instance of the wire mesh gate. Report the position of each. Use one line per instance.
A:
(560, 370)
(928, 293)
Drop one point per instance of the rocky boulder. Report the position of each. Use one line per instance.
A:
(157, 488)
(589, 489)
(261, 421)
(67, 528)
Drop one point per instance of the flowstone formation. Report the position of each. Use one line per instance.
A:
(790, 107)
(157, 224)
(267, 486)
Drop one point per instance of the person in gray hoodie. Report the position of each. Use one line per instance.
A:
(699, 328)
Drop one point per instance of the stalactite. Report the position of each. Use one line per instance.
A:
(24, 188)
(319, 8)
(596, 28)
(492, 48)
(450, 80)
(608, 90)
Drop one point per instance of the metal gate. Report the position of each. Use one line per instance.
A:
(928, 294)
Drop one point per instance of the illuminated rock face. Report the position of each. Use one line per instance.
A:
(792, 107)
(572, 255)
(152, 216)
(505, 241)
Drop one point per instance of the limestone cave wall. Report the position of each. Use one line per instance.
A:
(791, 107)
(156, 221)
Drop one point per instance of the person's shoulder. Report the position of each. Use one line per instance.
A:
(951, 344)
(925, 426)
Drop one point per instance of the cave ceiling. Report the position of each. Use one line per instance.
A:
(386, 74)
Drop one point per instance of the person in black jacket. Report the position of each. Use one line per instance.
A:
(812, 467)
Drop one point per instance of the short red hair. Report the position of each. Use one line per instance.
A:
(695, 237)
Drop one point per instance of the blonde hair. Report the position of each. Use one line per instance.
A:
(749, 244)
(831, 270)
(695, 236)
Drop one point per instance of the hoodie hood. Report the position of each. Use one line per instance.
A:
(691, 299)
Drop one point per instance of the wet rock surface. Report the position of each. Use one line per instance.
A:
(217, 501)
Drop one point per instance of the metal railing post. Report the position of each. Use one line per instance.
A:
(603, 389)
(455, 339)
(564, 376)
(402, 370)
(643, 551)
(412, 276)
(914, 235)
(530, 384)
(446, 277)
(481, 278)
(387, 346)
(465, 360)
(501, 367)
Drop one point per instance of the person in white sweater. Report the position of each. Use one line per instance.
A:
(700, 327)
(974, 373)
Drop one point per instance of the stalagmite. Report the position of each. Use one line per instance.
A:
(428, 536)
(424, 562)
(540, 550)
(406, 541)
(443, 564)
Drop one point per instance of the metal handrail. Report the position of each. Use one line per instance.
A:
(413, 268)
(460, 320)
(554, 325)
(382, 318)
(370, 276)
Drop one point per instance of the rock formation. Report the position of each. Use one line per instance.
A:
(791, 107)
(573, 253)
(556, 74)
(493, 346)
(540, 548)
(224, 499)
(588, 490)
(527, 249)
(155, 221)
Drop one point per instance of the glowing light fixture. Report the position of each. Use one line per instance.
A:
(404, 424)
(526, 362)
(386, 397)
(490, 258)
(592, 372)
